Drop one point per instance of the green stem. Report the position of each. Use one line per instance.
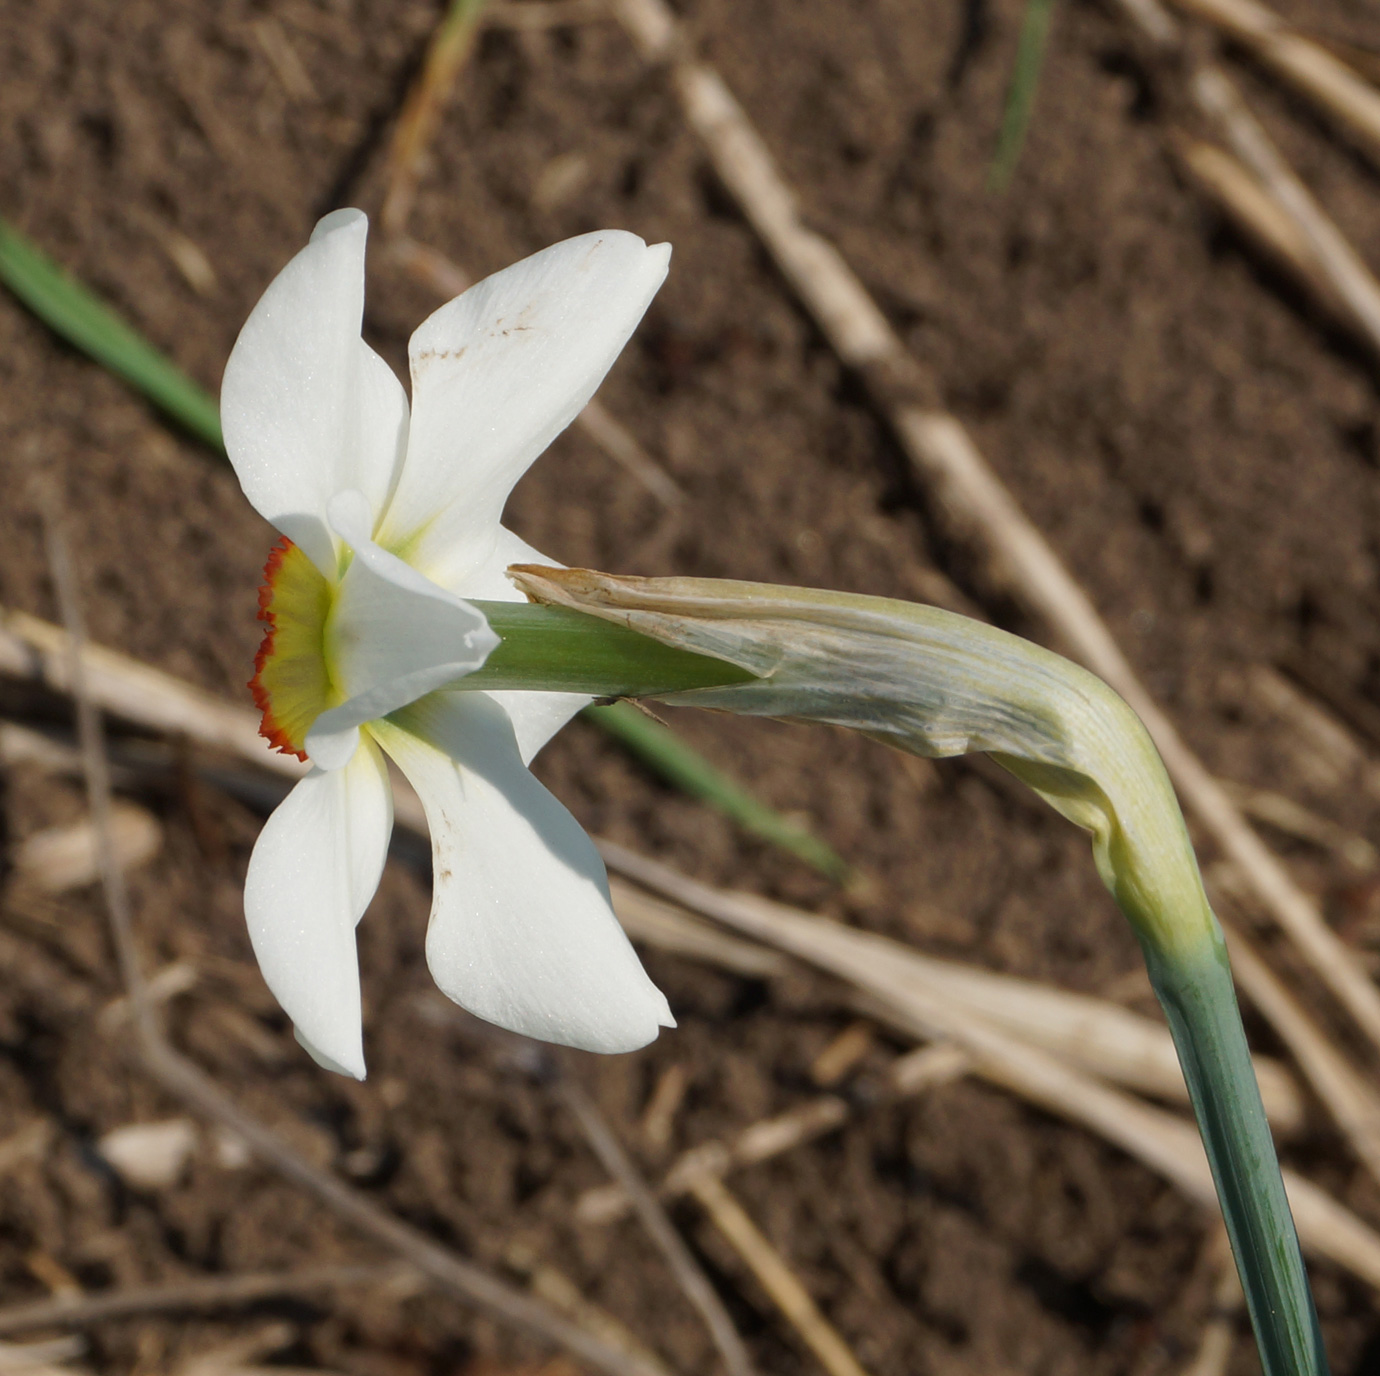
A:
(1199, 1000)
(559, 651)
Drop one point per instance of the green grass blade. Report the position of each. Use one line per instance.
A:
(662, 750)
(87, 323)
(1199, 1000)
(1020, 94)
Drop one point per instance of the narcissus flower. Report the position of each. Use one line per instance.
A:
(390, 520)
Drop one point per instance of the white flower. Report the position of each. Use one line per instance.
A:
(390, 521)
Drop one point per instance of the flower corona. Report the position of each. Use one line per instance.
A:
(291, 683)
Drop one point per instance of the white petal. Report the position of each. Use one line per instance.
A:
(536, 717)
(497, 374)
(320, 1057)
(314, 869)
(522, 932)
(308, 409)
(393, 636)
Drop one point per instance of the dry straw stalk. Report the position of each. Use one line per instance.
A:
(908, 1075)
(775, 1277)
(1239, 194)
(1308, 67)
(1344, 275)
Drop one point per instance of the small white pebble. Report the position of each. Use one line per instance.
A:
(150, 1156)
(61, 858)
(232, 1151)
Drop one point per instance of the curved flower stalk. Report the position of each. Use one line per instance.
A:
(390, 517)
(936, 684)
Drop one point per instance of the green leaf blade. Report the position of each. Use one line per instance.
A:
(77, 315)
(689, 771)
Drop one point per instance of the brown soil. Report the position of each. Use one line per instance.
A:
(1197, 443)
